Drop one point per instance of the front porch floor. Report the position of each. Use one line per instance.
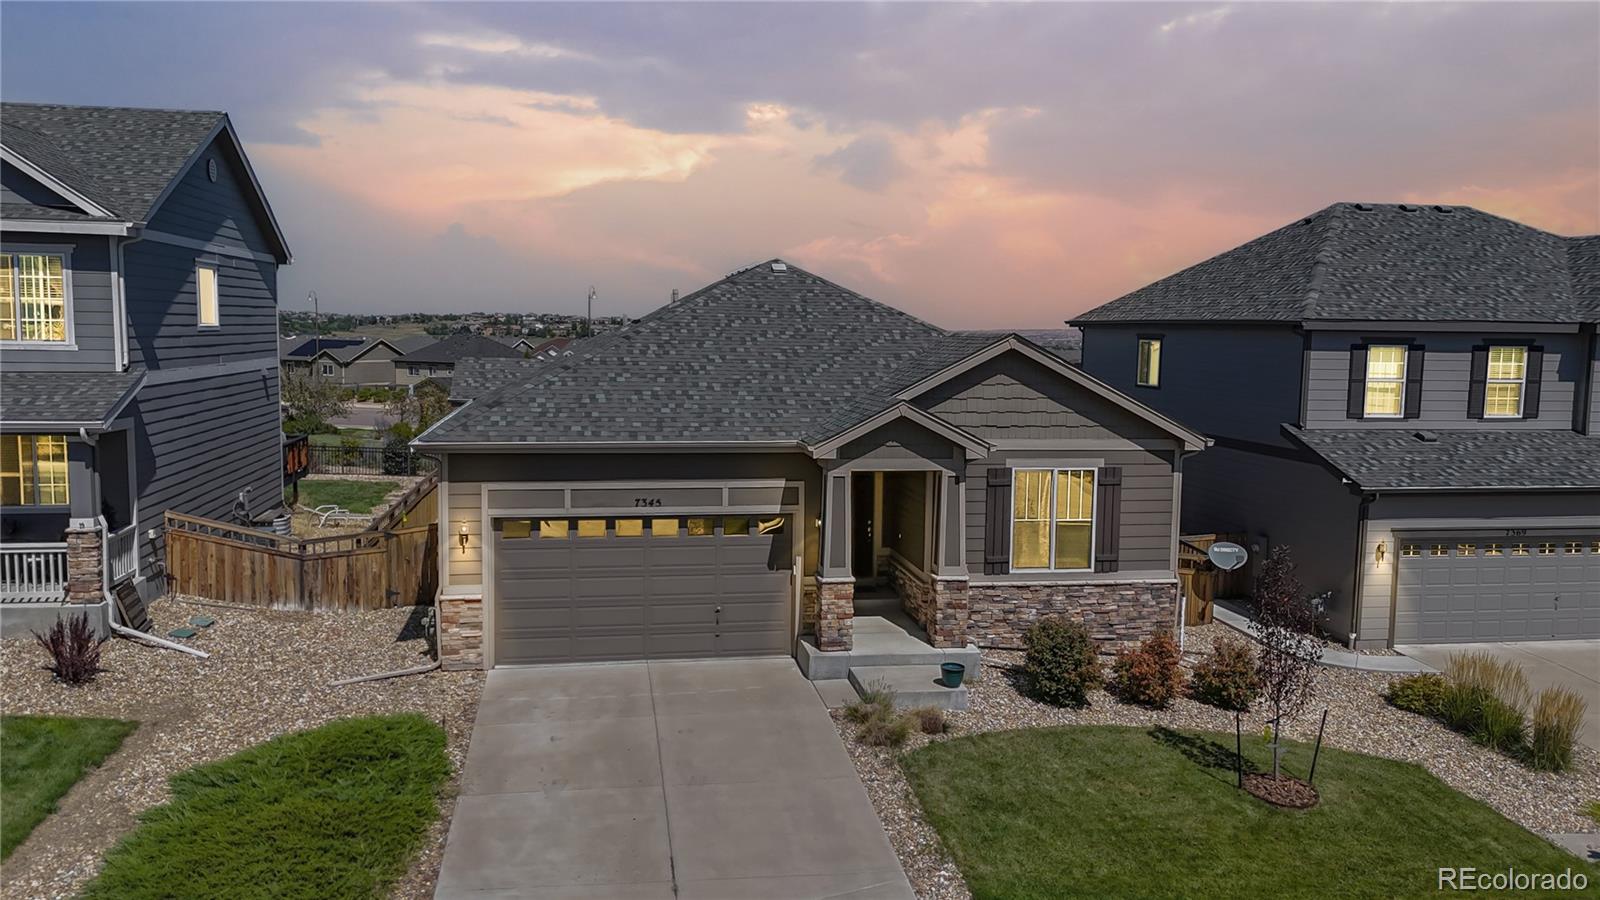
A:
(884, 636)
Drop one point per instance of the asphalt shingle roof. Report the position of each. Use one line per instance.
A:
(1397, 459)
(1380, 262)
(763, 355)
(477, 376)
(119, 157)
(457, 347)
(62, 398)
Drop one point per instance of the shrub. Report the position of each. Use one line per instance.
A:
(396, 456)
(931, 720)
(1557, 719)
(1060, 666)
(1422, 694)
(877, 702)
(1149, 675)
(1228, 678)
(886, 731)
(74, 649)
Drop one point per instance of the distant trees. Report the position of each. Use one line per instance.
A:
(311, 401)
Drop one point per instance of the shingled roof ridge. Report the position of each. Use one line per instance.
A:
(1334, 218)
(115, 106)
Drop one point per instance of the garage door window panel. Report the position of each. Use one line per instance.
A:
(736, 526)
(591, 528)
(516, 529)
(663, 528)
(630, 527)
(701, 526)
(553, 529)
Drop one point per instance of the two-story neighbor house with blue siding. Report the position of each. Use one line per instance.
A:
(1406, 397)
(138, 346)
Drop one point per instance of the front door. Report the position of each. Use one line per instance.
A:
(863, 559)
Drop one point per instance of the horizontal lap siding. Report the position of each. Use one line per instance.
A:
(164, 330)
(1147, 507)
(93, 319)
(465, 500)
(217, 212)
(1446, 377)
(199, 442)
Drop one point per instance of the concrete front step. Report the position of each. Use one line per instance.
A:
(913, 686)
(820, 665)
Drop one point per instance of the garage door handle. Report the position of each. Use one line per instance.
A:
(718, 613)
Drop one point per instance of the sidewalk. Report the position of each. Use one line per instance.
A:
(1331, 656)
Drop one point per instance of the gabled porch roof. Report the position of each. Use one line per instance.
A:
(65, 401)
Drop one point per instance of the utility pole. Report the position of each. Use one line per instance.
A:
(316, 323)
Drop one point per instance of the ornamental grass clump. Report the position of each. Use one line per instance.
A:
(1149, 675)
(1060, 665)
(1228, 678)
(880, 725)
(1557, 720)
(74, 649)
(1486, 699)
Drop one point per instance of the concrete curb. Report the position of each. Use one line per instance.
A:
(1333, 656)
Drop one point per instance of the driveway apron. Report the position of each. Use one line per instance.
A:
(714, 779)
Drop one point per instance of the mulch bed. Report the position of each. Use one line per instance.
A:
(1290, 793)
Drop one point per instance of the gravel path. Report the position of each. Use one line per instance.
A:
(269, 674)
(1359, 720)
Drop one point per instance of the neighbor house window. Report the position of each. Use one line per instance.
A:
(33, 297)
(33, 470)
(1052, 519)
(411, 370)
(205, 292)
(1508, 371)
(327, 368)
(1149, 374)
(1386, 382)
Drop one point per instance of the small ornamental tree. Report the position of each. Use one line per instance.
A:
(1285, 626)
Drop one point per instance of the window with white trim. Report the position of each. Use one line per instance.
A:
(207, 314)
(33, 297)
(327, 369)
(1052, 519)
(1508, 374)
(33, 470)
(1386, 382)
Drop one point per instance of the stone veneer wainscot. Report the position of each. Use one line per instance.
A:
(1118, 614)
(461, 632)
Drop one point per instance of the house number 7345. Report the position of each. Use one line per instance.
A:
(647, 501)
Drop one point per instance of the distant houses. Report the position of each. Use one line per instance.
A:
(358, 361)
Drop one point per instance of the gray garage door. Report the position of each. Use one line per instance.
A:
(1455, 590)
(664, 587)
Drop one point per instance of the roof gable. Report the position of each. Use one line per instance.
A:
(1371, 262)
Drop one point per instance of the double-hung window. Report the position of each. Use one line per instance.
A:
(33, 470)
(1052, 519)
(1386, 382)
(1507, 376)
(33, 297)
(1149, 368)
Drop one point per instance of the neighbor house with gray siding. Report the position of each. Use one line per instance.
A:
(736, 473)
(1404, 396)
(138, 329)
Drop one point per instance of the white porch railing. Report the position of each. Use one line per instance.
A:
(33, 573)
(122, 555)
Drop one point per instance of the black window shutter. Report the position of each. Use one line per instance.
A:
(1480, 380)
(1414, 355)
(1108, 530)
(997, 523)
(1530, 387)
(1356, 402)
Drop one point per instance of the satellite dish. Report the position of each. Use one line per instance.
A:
(1227, 556)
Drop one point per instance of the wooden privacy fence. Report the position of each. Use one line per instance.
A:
(370, 570)
(1203, 582)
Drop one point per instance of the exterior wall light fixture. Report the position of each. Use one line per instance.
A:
(462, 537)
(1383, 550)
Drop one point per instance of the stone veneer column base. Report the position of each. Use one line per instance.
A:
(461, 632)
(85, 565)
(1118, 614)
(951, 613)
(836, 610)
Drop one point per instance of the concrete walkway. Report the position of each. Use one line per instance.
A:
(1572, 664)
(716, 779)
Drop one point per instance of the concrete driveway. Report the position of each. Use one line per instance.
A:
(1574, 664)
(715, 779)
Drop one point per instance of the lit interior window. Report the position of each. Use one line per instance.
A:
(1508, 370)
(1149, 362)
(630, 527)
(1386, 381)
(553, 528)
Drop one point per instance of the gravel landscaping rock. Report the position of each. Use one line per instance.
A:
(1359, 720)
(269, 674)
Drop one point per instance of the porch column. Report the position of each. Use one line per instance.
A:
(85, 562)
(950, 609)
(836, 586)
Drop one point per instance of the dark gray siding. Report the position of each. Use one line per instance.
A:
(1446, 374)
(901, 439)
(1279, 501)
(905, 504)
(17, 187)
(163, 332)
(201, 441)
(93, 323)
(1236, 382)
(219, 212)
(1147, 510)
(1013, 397)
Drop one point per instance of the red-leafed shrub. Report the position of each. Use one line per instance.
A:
(74, 649)
(1149, 674)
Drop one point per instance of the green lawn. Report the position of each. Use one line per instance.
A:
(1135, 812)
(41, 758)
(335, 812)
(356, 496)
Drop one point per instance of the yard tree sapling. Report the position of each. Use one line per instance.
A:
(312, 401)
(1285, 626)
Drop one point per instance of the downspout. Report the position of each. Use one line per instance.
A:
(119, 296)
(111, 605)
(1363, 511)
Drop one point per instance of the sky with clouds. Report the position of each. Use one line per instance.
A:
(981, 166)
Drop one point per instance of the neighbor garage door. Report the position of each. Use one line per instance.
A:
(595, 589)
(1454, 590)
